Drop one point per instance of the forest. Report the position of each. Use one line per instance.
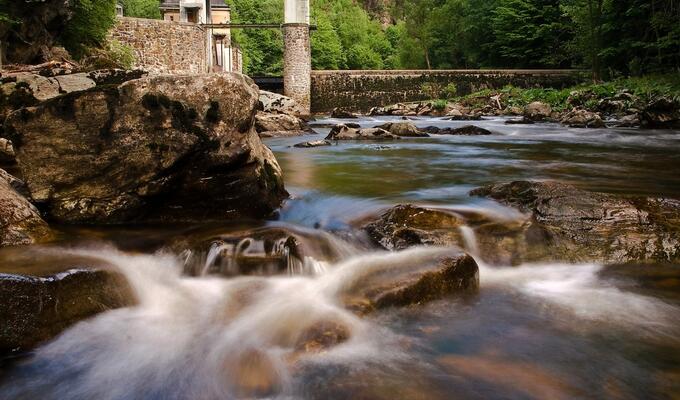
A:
(611, 38)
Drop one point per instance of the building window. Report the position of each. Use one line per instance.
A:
(192, 16)
(172, 18)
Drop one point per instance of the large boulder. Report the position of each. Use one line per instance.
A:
(158, 148)
(566, 223)
(403, 129)
(20, 222)
(275, 103)
(40, 304)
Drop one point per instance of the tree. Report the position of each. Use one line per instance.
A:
(89, 26)
(327, 51)
(141, 8)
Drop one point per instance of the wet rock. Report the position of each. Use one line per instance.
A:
(403, 129)
(468, 130)
(20, 221)
(344, 132)
(570, 224)
(342, 113)
(314, 143)
(661, 113)
(275, 103)
(262, 251)
(253, 375)
(582, 119)
(274, 125)
(36, 308)
(537, 111)
(157, 148)
(521, 121)
(322, 336)
(450, 275)
(407, 225)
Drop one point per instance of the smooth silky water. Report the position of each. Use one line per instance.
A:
(549, 331)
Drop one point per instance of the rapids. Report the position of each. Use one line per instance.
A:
(533, 331)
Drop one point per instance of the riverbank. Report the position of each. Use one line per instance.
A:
(650, 102)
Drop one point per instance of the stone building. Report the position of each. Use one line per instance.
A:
(223, 55)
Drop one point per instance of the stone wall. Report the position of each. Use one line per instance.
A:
(361, 90)
(163, 46)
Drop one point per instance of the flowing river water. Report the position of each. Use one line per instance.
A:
(548, 331)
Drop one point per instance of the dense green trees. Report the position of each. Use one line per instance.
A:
(609, 36)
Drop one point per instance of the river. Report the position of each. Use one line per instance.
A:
(544, 331)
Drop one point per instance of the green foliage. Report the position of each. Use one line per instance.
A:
(440, 104)
(91, 21)
(451, 90)
(121, 53)
(141, 8)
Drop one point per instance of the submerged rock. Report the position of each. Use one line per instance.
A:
(402, 129)
(345, 132)
(36, 308)
(521, 121)
(314, 143)
(156, 148)
(20, 221)
(468, 130)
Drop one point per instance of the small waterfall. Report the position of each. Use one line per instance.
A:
(216, 249)
(469, 240)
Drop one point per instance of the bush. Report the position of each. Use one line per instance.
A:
(440, 105)
(115, 55)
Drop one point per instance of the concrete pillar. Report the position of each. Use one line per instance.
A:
(297, 57)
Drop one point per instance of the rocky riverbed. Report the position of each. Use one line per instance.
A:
(151, 249)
